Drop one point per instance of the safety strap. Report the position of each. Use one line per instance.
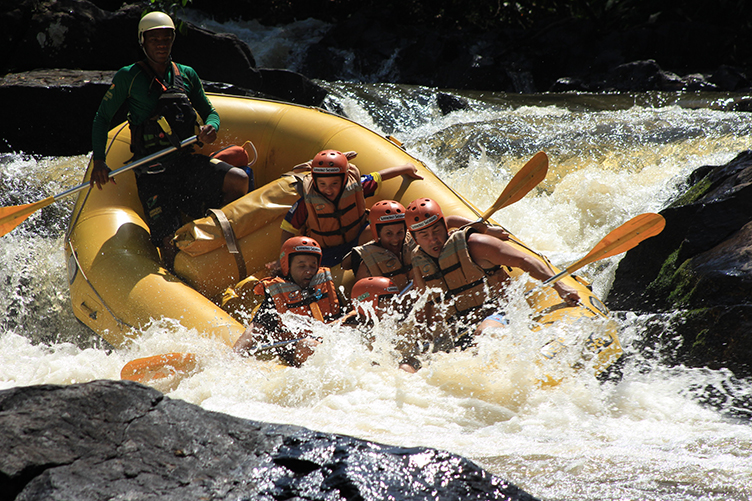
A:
(232, 243)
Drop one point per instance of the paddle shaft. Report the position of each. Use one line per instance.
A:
(12, 216)
(130, 166)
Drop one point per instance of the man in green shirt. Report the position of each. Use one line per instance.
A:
(161, 97)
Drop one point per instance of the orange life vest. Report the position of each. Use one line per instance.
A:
(332, 225)
(319, 300)
(384, 263)
(464, 283)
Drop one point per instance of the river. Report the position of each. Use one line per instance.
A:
(649, 436)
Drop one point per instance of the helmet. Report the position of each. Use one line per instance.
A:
(154, 21)
(423, 213)
(297, 245)
(329, 163)
(369, 290)
(385, 212)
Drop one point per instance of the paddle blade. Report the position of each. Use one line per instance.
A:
(10, 217)
(149, 369)
(623, 238)
(530, 176)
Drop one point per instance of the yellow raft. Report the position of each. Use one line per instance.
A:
(118, 285)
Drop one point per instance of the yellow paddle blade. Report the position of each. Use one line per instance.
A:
(10, 217)
(623, 238)
(148, 369)
(531, 174)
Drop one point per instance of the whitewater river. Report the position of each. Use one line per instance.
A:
(650, 436)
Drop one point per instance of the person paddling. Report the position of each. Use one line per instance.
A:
(161, 99)
(389, 253)
(373, 298)
(465, 265)
(301, 286)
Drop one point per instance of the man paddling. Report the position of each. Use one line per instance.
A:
(465, 265)
(162, 98)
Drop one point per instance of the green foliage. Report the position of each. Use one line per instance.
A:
(490, 14)
(171, 7)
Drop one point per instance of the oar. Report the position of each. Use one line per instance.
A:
(623, 238)
(530, 176)
(12, 216)
(147, 369)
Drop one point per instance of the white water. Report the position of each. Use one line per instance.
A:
(648, 437)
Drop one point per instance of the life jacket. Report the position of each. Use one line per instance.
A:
(340, 222)
(463, 282)
(384, 263)
(173, 120)
(319, 300)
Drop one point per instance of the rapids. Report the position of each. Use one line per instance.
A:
(650, 436)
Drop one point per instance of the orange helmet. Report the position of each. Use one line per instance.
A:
(423, 213)
(297, 245)
(369, 290)
(385, 212)
(329, 163)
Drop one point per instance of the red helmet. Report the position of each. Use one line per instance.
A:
(329, 163)
(423, 213)
(297, 245)
(385, 212)
(369, 290)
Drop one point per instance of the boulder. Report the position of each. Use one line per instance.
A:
(60, 57)
(700, 266)
(53, 109)
(121, 440)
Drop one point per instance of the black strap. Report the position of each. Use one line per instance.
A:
(308, 299)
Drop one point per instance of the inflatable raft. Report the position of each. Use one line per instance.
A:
(118, 285)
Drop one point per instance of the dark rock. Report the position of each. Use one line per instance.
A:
(87, 44)
(729, 79)
(448, 103)
(700, 264)
(64, 103)
(117, 440)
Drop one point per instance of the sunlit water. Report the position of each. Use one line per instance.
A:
(648, 437)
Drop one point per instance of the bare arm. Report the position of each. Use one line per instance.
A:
(487, 251)
(485, 228)
(408, 170)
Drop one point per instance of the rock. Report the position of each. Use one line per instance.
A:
(83, 45)
(700, 265)
(121, 440)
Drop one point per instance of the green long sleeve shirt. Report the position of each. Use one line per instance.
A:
(132, 85)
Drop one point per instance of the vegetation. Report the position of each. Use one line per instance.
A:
(525, 14)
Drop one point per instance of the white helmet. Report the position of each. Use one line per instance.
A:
(154, 21)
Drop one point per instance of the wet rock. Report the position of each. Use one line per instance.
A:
(121, 440)
(701, 264)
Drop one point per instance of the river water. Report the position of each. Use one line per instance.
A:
(650, 436)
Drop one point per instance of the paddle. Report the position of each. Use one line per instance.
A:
(623, 238)
(147, 369)
(531, 174)
(12, 216)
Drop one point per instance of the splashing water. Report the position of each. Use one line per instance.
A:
(649, 436)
